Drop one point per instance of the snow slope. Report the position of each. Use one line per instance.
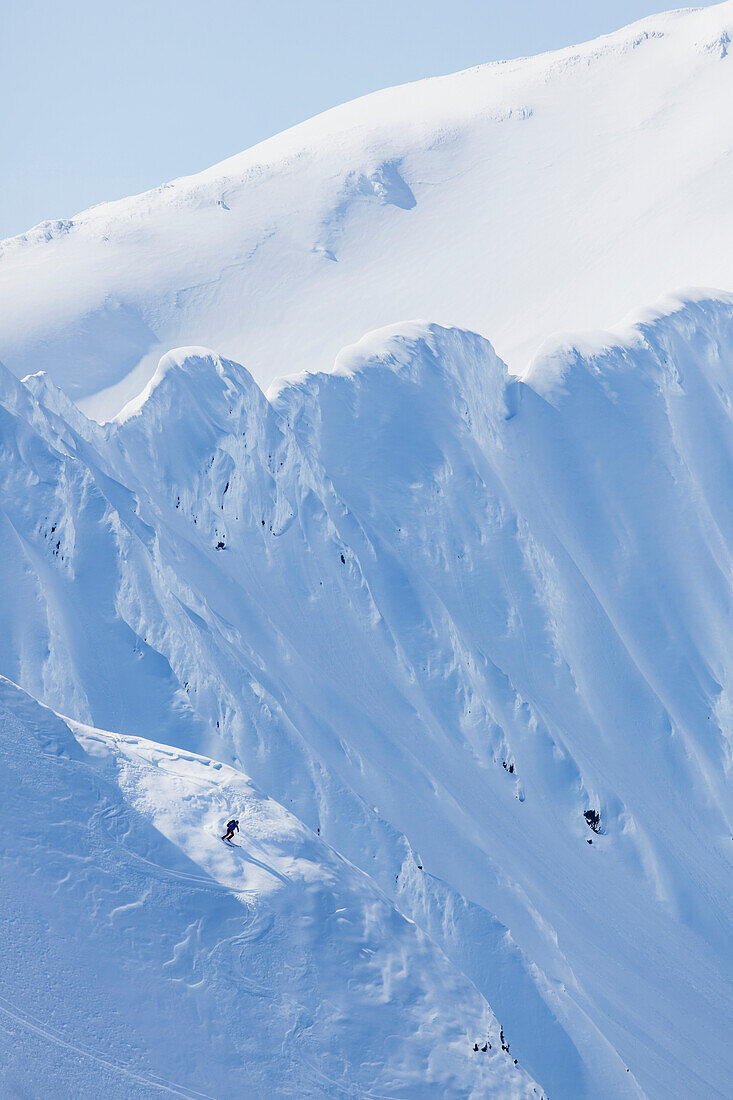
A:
(517, 199)
(437, 613)
(142, 957)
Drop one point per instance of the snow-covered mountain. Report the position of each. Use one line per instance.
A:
(518, 199)
(440, 615)
(455, 645)
(156, 961)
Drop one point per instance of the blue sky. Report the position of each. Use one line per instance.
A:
(103, 99)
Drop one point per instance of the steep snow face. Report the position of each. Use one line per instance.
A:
(142, 956)
(473, 630)
(516, 199)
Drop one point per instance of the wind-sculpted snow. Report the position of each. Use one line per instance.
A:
(518, 199)
(142, 957)
(474, 632)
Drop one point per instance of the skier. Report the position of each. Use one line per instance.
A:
(231, 826)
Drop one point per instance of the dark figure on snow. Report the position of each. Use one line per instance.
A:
(231, 826)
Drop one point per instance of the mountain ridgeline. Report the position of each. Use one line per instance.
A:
(517, 199)
(448, 630)
(473, 633)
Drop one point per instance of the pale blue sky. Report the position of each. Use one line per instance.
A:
(102, 99)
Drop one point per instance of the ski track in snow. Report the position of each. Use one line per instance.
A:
(46, 1033)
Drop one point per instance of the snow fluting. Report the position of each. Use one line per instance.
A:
(471, 637)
